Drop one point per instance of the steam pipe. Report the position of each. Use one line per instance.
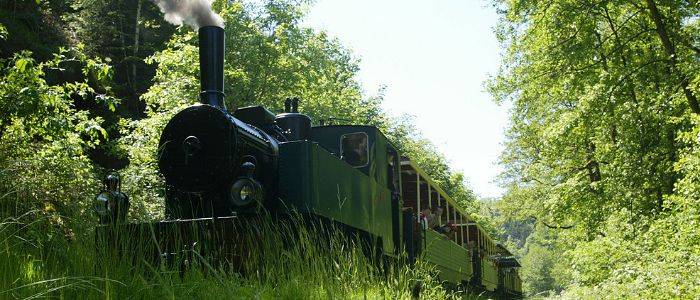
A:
(211, 65)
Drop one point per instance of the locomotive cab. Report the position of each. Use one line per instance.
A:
(364, 148)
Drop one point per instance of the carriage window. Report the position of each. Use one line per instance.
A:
(355, 149)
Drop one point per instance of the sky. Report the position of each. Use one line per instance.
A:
(433, 57)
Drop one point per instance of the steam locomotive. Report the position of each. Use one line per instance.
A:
(219, 167)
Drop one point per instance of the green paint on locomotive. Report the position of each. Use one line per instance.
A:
(316, 179)
(329, 137)
(313, 180)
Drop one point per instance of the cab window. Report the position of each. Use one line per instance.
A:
(354, 149)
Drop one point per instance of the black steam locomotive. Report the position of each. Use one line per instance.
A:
(220, 167)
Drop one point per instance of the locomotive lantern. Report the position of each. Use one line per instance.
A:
(111, 205)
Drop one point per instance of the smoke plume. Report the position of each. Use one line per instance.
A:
(196, 13)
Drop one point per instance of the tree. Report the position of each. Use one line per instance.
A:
(35, 26)
(596, 109)
(44, 140)
(124, 32)
(601, 92)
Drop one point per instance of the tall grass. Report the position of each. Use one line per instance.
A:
(280, 260)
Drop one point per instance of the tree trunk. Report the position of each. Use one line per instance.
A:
(135, 97)
(671, 53)
(137, 31)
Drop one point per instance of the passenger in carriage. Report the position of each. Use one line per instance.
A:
(446, 229)
(434, 217)
(471, 245)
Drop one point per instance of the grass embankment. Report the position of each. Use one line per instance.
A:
(36, 264)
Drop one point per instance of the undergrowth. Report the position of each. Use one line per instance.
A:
(284, 260)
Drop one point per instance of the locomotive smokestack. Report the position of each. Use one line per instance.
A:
(211, 65)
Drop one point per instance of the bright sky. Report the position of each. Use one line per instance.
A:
(434, 57)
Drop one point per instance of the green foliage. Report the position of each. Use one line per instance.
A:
(657, 263)
(536, 273)
(33, 26)
(3, 32)
(601, 143)
(43, 139)
(594, 120)
(124, 32)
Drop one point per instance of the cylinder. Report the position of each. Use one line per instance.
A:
(211, 65)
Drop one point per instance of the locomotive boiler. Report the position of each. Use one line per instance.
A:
(221, 168)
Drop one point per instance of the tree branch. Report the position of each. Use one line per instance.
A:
(553, 226)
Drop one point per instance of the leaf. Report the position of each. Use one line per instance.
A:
(3, 32)
(21, 64)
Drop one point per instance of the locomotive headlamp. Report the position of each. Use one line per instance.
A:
(246, 191)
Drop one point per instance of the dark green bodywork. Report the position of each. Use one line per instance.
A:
(312, 179)
(315, 180)
(329, 138)
(489, 275)
(453, 261)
